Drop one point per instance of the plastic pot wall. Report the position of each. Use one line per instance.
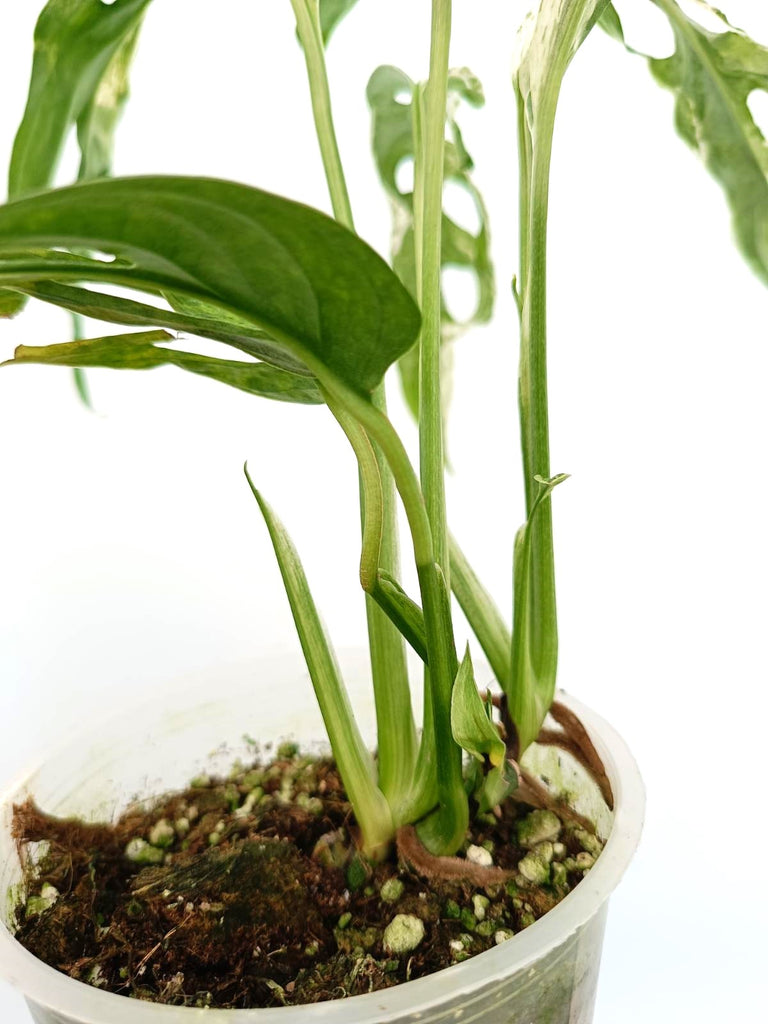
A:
(545, 975)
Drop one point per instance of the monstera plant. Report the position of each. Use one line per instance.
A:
(313, 315)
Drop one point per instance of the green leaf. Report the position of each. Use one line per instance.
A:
(395, 726)
(610, 23)
(10, 303)
(97, 124)
(141, 351)
(352, 757)
(497, 784)
(202, 319)
(712, 76)
(76, 42)
(82, 52)
(391, 97)
(471, 725)
(325, 297)
(534, 633)
(331, 13)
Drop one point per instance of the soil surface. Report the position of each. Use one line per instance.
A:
(247, 892)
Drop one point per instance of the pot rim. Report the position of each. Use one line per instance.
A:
(46, 987)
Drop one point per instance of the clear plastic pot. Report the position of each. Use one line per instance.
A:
(547, 974)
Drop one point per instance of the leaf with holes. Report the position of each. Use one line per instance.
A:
(391, 97)
(712, 75)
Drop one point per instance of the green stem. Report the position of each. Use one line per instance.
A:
(444, 831)
(79, 376)
(438, 756)
(524, 174)
(428, 205)
(371, 501)
(396, 729)
(310, 35)
(535, 646)
(534, 411)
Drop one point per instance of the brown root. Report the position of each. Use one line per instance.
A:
(531, 791)
(580, 746)
(73, 842)
(415, 855)
(571, 737)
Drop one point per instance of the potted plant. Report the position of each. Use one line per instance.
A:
(323, 317)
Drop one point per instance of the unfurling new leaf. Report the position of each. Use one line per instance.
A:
(496, 786)
(548, 42)
(534, 632)
(472, 727)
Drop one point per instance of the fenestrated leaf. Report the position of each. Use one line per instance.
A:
(75, 44)
(472, 728)
(391, 97)
(534, 632)
(712, 75)
(143, 351)
(324, 296)
(331, 13)
(352, 757)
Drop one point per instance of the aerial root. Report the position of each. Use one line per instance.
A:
(417, 857)
(574, 738)
(532, 791)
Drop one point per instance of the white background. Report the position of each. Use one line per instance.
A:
(132, 552)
